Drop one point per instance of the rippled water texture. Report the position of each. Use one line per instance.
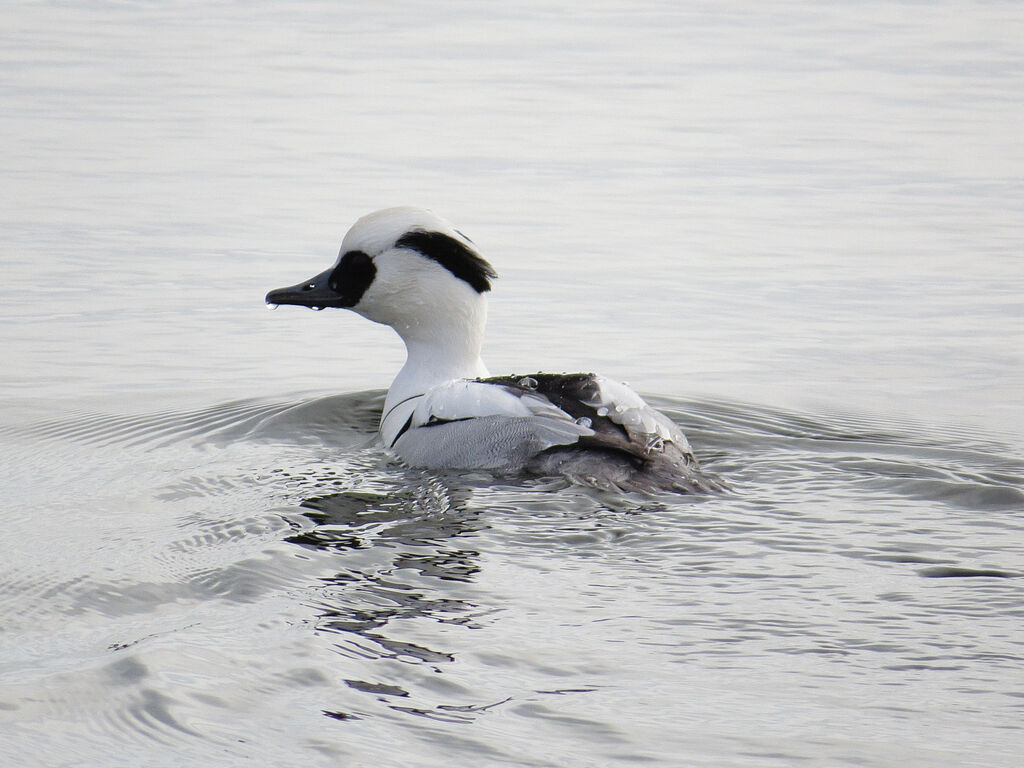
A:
(243, 592)
(799, 223)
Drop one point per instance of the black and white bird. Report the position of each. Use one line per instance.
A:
(409, 269)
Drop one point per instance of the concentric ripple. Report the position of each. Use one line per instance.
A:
(265, 560)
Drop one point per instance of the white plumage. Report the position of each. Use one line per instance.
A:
(411, 270)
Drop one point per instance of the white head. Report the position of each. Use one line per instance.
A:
(410, 269)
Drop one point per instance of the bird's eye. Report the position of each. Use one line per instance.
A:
(351, 278)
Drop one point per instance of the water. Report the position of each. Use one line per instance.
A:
(796, 228)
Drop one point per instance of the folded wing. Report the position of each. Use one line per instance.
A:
(591, 428)
(467, 424)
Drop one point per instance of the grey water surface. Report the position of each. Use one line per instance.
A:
(796, 228)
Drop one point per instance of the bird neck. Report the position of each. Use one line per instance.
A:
(436, 351)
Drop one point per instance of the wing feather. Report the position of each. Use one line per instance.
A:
(593, 430)
(467, 424)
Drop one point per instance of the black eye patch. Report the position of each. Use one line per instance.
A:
(351, 278)
(458, 258)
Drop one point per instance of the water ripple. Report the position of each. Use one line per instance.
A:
(326, 419)
(429, 601)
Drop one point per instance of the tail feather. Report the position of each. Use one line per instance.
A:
(671, 470)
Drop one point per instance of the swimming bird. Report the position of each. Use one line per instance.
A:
(410, 269)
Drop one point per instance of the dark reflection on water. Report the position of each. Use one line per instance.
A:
(271, 544)
(438, 516)
(947, 572)
(416, 532)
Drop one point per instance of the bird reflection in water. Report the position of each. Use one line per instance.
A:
(404, 557)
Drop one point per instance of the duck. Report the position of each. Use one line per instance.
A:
(409, 269)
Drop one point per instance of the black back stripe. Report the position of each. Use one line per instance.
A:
(392, 408)
(402, 431)
(436, 422)
(455, 256)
